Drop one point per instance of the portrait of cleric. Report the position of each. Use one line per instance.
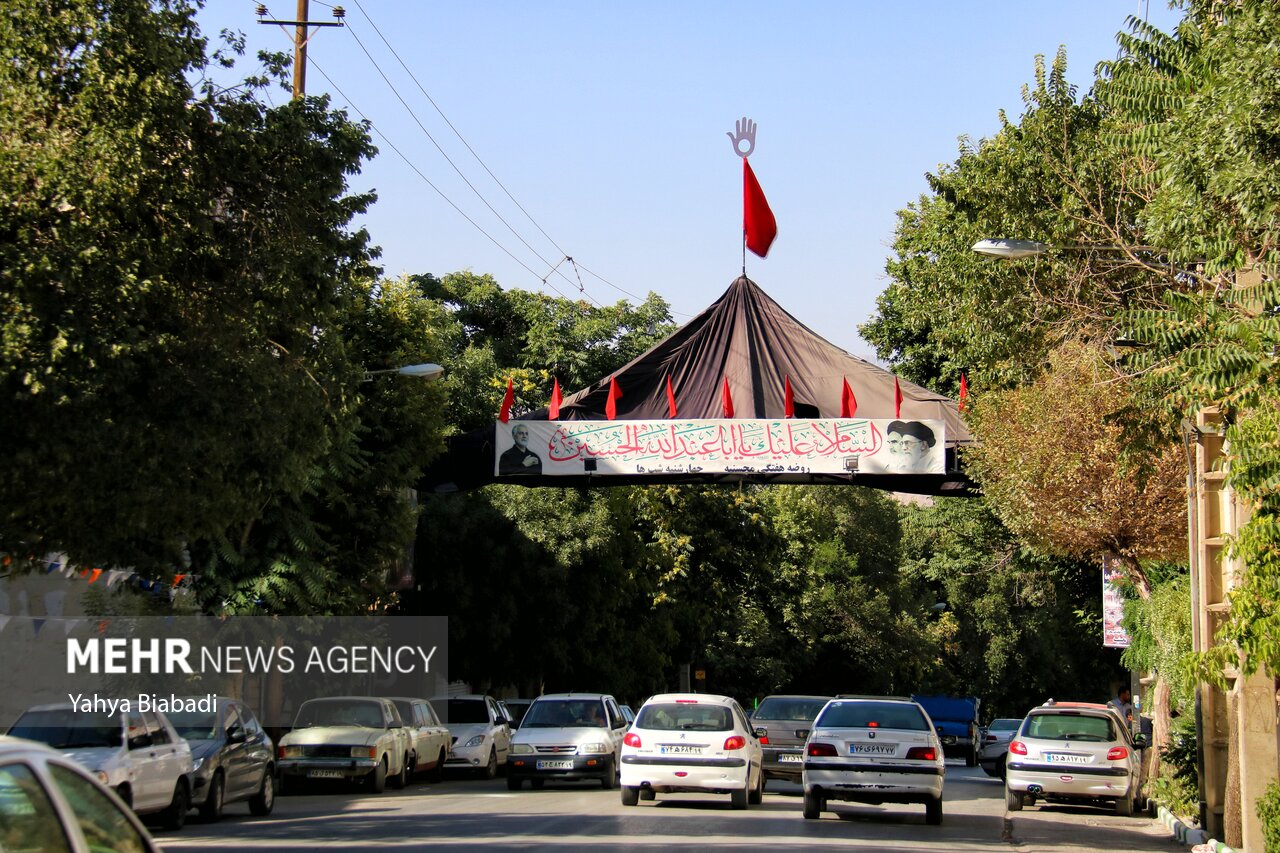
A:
(909, 444)
(519, 459)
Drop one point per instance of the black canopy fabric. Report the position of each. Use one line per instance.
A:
(749, 340)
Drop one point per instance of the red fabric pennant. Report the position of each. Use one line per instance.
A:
(94, 574)
(758, 225)
(611, 405)
(727, 399)
(897, 398)
(788, 400)
(848, 402)
(504, 414)
(671, 399)
(553, 410)
(964, 392)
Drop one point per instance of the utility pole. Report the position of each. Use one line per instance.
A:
(300, 39)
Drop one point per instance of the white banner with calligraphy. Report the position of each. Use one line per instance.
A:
(1113, 634)
(791, 446)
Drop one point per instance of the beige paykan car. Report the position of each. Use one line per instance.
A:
(356, 738)
(1075, 752)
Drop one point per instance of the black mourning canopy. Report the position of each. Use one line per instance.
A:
(749, 340)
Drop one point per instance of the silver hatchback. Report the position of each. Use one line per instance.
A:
(1075, 752)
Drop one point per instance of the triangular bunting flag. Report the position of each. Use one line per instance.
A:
(964, 392)
(727, 399)
(788, 400)
(504, 414)
(897, 398)
(848, 402)
(671, 399)
(758, 225)
(611, 404)
(553, 408)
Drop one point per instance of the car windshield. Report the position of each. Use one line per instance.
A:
(195, 725)
(339, 712)
(884, 715)
(794, 710)
(461, 712)
(1004, 725)
(1070, 727)
(685, 716)
(65, 728)
(564, 713)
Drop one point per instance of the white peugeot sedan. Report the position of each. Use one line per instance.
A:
(875, 749)
(139, 755)
(479, 732)
(567, 737)
(1075, 752)
(692, 742)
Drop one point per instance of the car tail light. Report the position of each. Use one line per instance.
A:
(632, 739)
(992, 738)
(279, 752)
(922, 753)
(1017, 747)
(820, 748)
(686, 701)
(735, 742)
(873, 725)
(1117, 753)
(764, 740)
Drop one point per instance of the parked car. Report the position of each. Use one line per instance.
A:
(139, 755)
(516, 709)
(627, 714)
(48, 802)
(428, 737)
(692, 742)
(874, 750)
(995, 744)
(1075, 752)
(956, 720)
(479, 732)
(234, 759)
(567, 736)
(783, 724)
(356, 738)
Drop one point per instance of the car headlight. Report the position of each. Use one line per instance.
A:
(197, 764)
(103, 777)
(291, 751)
(592, 748)
(478, 740)
(521, 749)
(364, 752)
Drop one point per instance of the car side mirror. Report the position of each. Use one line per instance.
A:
(235, 734)
(803, 734)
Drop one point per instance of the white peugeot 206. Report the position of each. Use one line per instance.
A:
(692, 742)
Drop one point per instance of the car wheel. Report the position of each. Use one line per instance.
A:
(437, 772)
(1013, 800)
(610, 777)
(756, 795)
(175, 816)
(630, 795)
(812, 805)
(261, 803)
(401, 779)
(376, 781)
(211, 808)
(514, 784)
(490, 770)
(1124, 806)
(933, 812)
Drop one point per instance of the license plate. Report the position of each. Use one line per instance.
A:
(324, 774)
(562, 764)
(790, 758)
(1064, 758)
(678, 749)
(873, 748)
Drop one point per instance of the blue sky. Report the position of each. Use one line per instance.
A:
(606, 122)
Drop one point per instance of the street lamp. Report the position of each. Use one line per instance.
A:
(423, 371)
(1002, 248)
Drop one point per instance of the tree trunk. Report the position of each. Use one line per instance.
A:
(1161, 698)
(1232, 820)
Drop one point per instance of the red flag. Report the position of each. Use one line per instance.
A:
(611, 404)
(897, 398)
(848, 402)
(758, 225)
(94, 575)
(964, 391)
(727, 400)
(788, 401)
(504, 414)
(671, 399)
(553, 410)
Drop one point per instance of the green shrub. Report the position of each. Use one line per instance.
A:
(1269, 814)
(1179, 789)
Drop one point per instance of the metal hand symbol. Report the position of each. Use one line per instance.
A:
(744, 132)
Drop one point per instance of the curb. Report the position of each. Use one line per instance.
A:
(1198, 839)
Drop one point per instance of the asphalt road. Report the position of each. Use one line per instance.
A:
(473, 814)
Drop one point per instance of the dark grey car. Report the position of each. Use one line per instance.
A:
(234, 758)
(785, 721)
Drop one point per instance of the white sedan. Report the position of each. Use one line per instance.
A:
(692, 742)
